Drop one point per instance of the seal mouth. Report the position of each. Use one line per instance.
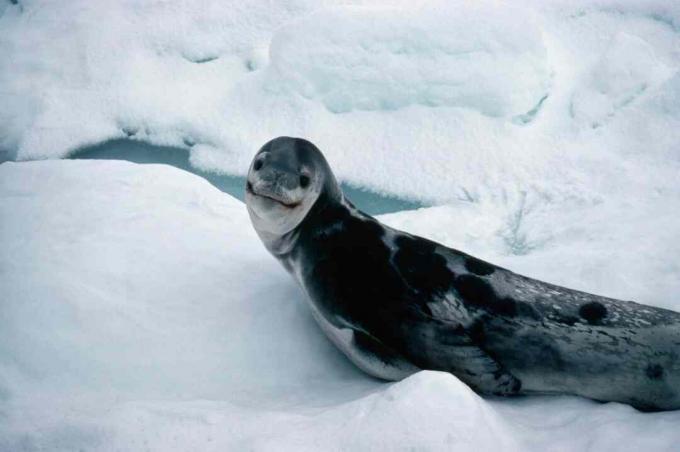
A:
(251, 190)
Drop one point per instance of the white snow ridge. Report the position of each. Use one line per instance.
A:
(140, 312)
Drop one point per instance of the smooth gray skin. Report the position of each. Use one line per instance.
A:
(500, 332)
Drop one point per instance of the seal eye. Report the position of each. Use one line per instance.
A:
(257, 165)
(304, 181)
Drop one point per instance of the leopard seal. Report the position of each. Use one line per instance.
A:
(396, 303)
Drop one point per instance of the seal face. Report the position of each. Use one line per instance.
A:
(395, 303)
(281, 187)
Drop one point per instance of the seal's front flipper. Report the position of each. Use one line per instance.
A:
(450, 348)
(479, 370)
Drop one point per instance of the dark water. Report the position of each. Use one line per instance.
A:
(140, 152)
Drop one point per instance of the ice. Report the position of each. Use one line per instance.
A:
(81, 72)
(627, 70)
(141, 312)
(441, 100)
(455, 54)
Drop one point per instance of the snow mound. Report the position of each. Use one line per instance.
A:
(456, 417)
(82, 72)
(436, 100)
(141, 312)
(455, 54)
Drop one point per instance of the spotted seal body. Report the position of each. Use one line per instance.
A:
(396, 303)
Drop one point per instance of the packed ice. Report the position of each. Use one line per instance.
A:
(138, 309)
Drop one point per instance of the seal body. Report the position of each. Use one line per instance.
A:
(395, 303)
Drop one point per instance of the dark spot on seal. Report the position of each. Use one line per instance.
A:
(654, 372)
(422, 268)
(593, 312)
(477, 292)
(478, 267)
(304, 181)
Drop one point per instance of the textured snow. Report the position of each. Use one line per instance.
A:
(455, 55)
(138, 310)
(439, 100)
(141, 312)
(626, 70)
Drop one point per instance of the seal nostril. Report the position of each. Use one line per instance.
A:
(304, 181)
(249, 186)
(257, 165)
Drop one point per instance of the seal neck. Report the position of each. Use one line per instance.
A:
(282, 246)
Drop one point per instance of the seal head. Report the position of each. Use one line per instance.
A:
(286, 179)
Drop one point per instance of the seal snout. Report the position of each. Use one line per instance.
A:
(277, 179)
(285, 180)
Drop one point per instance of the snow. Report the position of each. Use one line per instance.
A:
(626, 70)
(141, 312)
(437, 100)
(454, 54)
(138, 309)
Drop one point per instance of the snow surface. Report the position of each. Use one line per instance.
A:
(387, 59)
(439, 100)
(138, 309)
(141, 312)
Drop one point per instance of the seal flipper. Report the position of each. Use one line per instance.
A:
(450, 348)
(480, 371)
